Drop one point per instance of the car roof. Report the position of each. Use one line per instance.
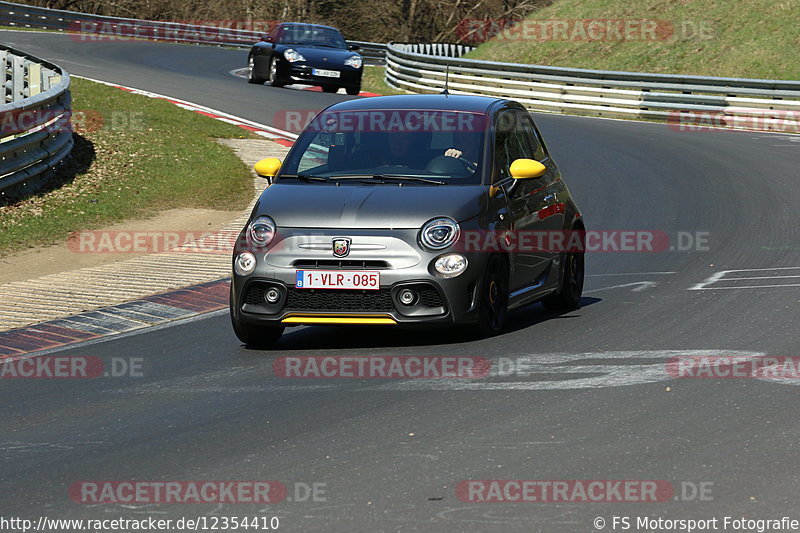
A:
(305, 24)
(438, 102)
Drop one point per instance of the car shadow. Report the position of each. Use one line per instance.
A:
(358, 337)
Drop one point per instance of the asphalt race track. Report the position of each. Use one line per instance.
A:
(598, 404)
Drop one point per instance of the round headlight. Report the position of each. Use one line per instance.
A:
(293, 56)
(450, 265)
(353, 61)
(244, 264)
(260, 232)
(439, 233)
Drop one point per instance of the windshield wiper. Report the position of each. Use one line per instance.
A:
(304, 177)
(379, 178)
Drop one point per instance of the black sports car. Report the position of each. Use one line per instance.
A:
(308, 54)
(408, 210)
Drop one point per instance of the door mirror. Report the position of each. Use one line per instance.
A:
(267, 168)
(527, 168)
(353, 47)
(266, 38)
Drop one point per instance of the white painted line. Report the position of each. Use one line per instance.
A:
(746, 287)
(720, 277)
(629, 274)
(639, 286)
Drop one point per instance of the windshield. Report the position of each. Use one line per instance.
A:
(311, 36)
(443, 146)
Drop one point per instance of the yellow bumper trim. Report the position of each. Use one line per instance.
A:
(325, 319)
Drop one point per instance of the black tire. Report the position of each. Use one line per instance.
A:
(353, 91)
(254, 336)
(493, 305)
(274, 80)
(330, 89)
(251, 68)
(570, 286)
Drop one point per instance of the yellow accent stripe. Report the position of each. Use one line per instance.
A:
(367, 320)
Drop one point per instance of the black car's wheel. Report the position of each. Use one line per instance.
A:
(255, 336)
(353, 91)
(330, 89)
(251, 71)
(570, 287)
(493, 306)
(274, 79)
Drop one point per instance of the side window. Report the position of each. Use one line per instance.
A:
(511, 143)
(528, 131)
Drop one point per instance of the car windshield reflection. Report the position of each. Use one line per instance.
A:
(444, 147)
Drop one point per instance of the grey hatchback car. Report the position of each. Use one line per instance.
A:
(416, 210)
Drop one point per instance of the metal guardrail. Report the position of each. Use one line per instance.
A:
(90, 27)
(35, 131)
(595, 92)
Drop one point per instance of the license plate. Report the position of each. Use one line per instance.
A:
(338, 279)
(326, 73)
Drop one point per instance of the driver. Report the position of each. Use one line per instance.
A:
(469, 144)
(400, 148)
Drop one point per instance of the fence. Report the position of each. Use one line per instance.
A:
(595, 92)
(35, 133)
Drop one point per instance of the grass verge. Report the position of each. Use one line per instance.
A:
(134, 156)
(751, 39)
(373, 81)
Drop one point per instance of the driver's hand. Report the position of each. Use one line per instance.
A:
(453, 152)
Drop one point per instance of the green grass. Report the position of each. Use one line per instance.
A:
(373, 82)
(747, 39)
(136, 157)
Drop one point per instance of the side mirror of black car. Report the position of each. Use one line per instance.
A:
(353, 47)
(266, 38)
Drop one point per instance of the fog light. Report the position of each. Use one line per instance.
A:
(407, 297)
(245, 264)
(272, 295)
(450, 265)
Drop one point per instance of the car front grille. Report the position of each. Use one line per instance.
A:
(343, 264)
(255, 294)
(429, 297)
(339, 300)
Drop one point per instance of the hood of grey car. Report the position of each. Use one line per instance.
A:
(368, 206)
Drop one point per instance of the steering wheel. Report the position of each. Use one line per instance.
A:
(472, 167)
(455, 166)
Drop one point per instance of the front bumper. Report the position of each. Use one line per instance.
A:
(402, 265)
(303, 73)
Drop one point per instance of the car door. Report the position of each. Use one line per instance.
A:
(528, 200)
(551, 195)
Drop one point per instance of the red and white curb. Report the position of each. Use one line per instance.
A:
(116, 319)
(285, 138)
